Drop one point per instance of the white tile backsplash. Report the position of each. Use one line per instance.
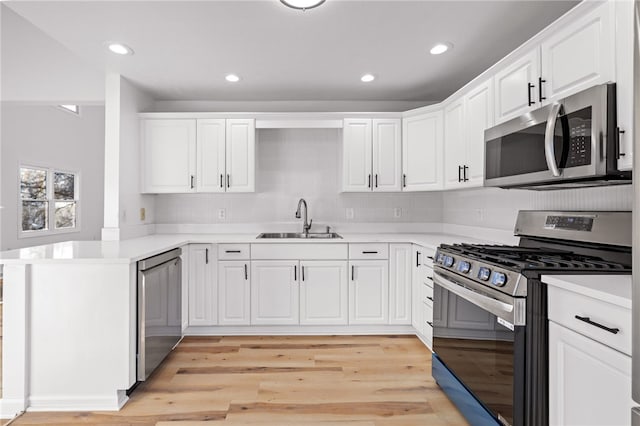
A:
(293, 164)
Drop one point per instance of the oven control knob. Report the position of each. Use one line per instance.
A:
(499, 279)
(448, 261)
(484, 273)
(464, 267)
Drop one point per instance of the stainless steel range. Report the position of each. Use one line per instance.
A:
(491, 355)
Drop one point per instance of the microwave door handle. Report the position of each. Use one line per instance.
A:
(549, 148)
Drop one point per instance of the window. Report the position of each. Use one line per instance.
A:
(48, 201)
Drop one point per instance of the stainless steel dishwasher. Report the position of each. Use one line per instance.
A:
(159, 309)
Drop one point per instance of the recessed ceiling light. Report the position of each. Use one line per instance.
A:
(232, 78)
(120, 49)
(440, 48)
(302, 4)
(367, 78)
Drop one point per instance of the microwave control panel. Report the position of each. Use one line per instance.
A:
(579, 138)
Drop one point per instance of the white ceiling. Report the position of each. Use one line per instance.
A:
(183, 49)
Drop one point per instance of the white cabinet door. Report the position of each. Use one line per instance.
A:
(202, 285)
(234, 293)
(274, 292)
(369, 292)
(240, 155)
(324, 293)
(422, 152)
(478, 110)
(624, 81)
(416, 286)
(387, 155)
(168, 156)
(400, 283)
(357, 155)
(454, 144)
(513, 95)
(589, 383)
(211, 156)
(579, 55)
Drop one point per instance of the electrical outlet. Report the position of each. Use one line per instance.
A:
(222, 214)
(397, 212)
(143, 214)
(350, 213)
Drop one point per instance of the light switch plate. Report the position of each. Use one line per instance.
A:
(397, 212)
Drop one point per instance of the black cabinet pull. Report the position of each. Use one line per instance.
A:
(192, 178)
(302, 267)
(430, 257)
(369, 252)
(246, 272)
(295, 272)
(604, 327)
(228, 185)
(206, 256)
(619, 133)
(430, 278)
(540, 81)
(404, 181)
(221, 181)
(232, 251)
(464, 173)
(417, 259)
(430, 298)
(430, 324)
(369, 181)
(529, 87)
(352, 272)
(459, 173)
(376, 180)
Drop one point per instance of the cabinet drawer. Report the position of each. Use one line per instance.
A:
(369, 251)
(428, 256)
(565, 306)
(427, 276)
(427, 295)
(233, 251)
(301, 251)
(427, 321)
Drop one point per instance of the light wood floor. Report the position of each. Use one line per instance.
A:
(277, 381)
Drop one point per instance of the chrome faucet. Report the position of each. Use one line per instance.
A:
(305, 226)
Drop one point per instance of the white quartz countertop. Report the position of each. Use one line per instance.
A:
(127, 251)
(615, 289)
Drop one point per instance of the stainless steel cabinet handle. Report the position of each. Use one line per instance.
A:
(595, 324)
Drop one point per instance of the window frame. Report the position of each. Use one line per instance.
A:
(51, 210)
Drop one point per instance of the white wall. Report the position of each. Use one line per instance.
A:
(36, 68)
(293, 164)
(47, 136)
(498, 208)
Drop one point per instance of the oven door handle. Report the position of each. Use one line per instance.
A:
(496, 307)
(549, 147)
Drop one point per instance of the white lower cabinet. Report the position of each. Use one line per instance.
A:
(416, 282)
(274, 292)
(324, 292)
(400, 283)
(234, 293)
(202, 285)
(589, 383)
(368, 292)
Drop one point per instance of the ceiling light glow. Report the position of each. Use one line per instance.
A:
(302, 4)
(120, 49)
(232, 78)
(440, 48)
(367, 78)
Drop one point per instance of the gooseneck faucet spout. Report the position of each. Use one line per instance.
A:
(305, 226)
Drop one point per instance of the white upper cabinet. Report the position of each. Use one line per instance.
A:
(241, 151)
(579, 55)
(204, 155)
(624, 81)
(478, 112)
(515, 87)
(211, 156)
(387, 152)
(372, 152)
(422, 152)
(454, 144)
(168, 163)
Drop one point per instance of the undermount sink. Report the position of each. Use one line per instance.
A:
(311, 235)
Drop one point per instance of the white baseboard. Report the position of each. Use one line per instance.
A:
(77, 403)
(298, 330)
(9, 408)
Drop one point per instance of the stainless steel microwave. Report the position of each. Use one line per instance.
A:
(570, 143)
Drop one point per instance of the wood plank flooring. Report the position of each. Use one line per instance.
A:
(283, 380)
